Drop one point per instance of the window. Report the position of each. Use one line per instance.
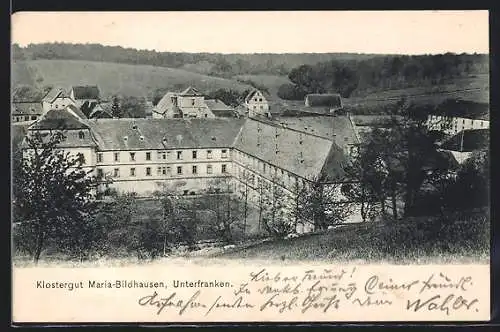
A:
(116, 172)
(148, 155)
(33, 117)
(255, 99)
(209, 154)
(100, 173)
(132, 171)
(264, 168)
(192, 102)
(169, 171)
(132, 156)
(194, 155)
(261, 106)
(224, 153)
(179, 170)
(224, 168)
(148, 171)
(185, 192)
(179, 155)
(158, 171)
(209, 169)
(254, 107)
(117, 156)
(195, 169)
(162, 155)
(99, 157)
(81, 135)
(260, 99)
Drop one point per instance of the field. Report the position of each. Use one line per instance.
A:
(114, 78)
(468, 88)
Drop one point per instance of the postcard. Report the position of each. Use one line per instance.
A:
(248, 166)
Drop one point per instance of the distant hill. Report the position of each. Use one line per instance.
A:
(114, 78)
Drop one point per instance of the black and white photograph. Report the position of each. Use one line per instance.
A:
(152, 141)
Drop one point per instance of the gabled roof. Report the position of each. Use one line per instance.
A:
(468, 140)
(86, 92)
(178, 133)
(101, 110)
(26, 108)
(299, 153)
(330, 100)
(60, 119)
(252, 93)
(339, 128)
(190, 91)
(55, 93)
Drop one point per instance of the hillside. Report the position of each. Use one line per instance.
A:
(114, 78)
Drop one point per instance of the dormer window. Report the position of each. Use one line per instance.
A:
(134, 127)
(81, 135)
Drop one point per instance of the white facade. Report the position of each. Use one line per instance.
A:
(257, 104)
(57, 103)
(454, 125)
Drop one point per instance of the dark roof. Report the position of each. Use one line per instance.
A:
(55, 93)
(178, 133)
(468, 140)
(86, 92)
(190, 91)
(101, 111)
(31, 108)
(299, 153)
(58, 119)
(323, 100)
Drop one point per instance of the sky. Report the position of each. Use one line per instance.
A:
(381, 32)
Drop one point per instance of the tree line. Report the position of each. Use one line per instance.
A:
(352, 77)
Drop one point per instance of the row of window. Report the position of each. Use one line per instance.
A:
(163, 170)
(161, 155)
(24, 118)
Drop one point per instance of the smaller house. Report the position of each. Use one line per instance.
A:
(26, 111)
(257, 103)
(57, 98)
(82, 94)
(189, 103)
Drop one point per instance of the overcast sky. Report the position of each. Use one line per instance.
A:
(402, 32)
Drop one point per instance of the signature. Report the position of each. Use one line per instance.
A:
(171, 301)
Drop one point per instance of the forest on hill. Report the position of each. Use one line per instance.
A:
(217, 64)
(351, 78)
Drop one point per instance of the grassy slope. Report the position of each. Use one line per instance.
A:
(365, 242)
(272, 82)
(113, 78)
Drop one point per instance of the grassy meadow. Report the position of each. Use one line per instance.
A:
(114, 78)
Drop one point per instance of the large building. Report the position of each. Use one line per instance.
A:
(187, 155)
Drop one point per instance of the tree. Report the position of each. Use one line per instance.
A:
(133, 107)
(276, 213)
(226, 210)
(323, 204)
(365, 185)
(52, 196)
(116, 111)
